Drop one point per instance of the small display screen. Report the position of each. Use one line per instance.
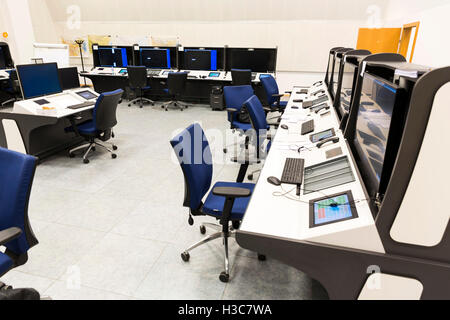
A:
(214, 75)
(322, 135)
(165, 73)
(41, 102)
(332, 209)
(123, 71)
(87, 95)
(319, 107)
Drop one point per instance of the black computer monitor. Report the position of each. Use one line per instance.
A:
(69, 78)
(347, 87)
(2, 59)
(113, 57)
(200, 59)
(379, 127)
(330, 68)
(38, 80)
(335, 77)
(155, 58)
(257, 60)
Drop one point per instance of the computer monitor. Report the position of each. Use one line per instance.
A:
(200, 59)
(155, 58)
(330, 68)
(2, 59)
(378, 131)
(257, 60)
(347, 87)
(69, 78)
(37, 80)
(335, 78)
(113, 57)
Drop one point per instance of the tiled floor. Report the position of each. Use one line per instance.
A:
(114, 229)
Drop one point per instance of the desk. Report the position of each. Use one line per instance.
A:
(198, 88)
(32, 130)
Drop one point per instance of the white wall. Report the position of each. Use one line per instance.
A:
(432, 47)
(303, 30)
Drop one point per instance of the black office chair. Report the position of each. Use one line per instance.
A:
(13, 88)
(101, 125)
(176, 86)
(241, 77)
(138, 83)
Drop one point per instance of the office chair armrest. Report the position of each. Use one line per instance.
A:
(288, 92)
(232, 110)
(279, 95)
(9, 235)
(230, 192)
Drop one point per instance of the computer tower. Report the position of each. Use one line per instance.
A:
(217, 98)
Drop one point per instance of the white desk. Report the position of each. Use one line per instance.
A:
(57, 106)
(276, 216)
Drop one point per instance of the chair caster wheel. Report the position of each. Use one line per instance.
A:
(93, 149)
(202, 229)
(71, 155)
(114, 156)
(225, 150)
(224, 277)
(250, 177)
(185, 256)
(85, 161)
(115, 148)
(153, 104)
(129, 104)
(261, 257)
(167, 110)
(236, 225)
(191, 221)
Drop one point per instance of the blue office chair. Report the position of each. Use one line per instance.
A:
(260, 131)
(273, 94)
(227, 201)
(176, 87)
(137, 75)
(101, 125)
(235, 96)
(16, 236)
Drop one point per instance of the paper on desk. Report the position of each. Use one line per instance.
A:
(294, 118)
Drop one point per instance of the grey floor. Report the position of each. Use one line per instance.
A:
(114, 229)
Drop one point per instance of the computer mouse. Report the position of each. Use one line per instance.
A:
(274, 180)
(285, 127)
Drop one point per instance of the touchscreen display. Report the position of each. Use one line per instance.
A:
(87, 95)
(214, 75)
(322, 135)
(332, 209)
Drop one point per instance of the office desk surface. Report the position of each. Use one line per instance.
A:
(271, 214)
(58, 103)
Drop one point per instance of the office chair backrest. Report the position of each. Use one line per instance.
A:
(192, 150)
(104, 114)
(69, 78)
(14, 81)
(241, 77)
(16, 178)
(270, 87)
(176, 83)
(235, 96)
(258, 120)
(137, 76)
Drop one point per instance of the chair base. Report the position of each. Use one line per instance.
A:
(175, 105)
(4, 103)
(141, 101)
(225, 275)
(91, 147)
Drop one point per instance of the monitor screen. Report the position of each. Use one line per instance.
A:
(373, 125)
(257, 60)
(113, 57)
(69, 78)
(214, 74)
(154, 58)
(337, 66)
(86, 94)
(348, 81)
(330, 67)
(197, 59)
(38, 80)
(2, 59)
(332, 209)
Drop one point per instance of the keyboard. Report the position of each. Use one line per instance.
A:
(293, 171)
(307, 127)
(81, 105)
(153, 73)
